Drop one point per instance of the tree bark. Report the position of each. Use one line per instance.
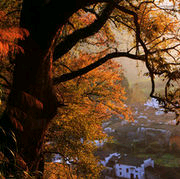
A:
(32, 102)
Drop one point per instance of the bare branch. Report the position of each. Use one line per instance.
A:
(165, 49)
(82, 71)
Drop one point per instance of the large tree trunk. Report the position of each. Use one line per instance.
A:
(32, 102)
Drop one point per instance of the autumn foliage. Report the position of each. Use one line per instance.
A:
(8, 40)
(10, 32)
(73, 103)
(91, 99)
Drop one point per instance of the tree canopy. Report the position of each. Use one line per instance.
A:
(153, 29)
(90, 100)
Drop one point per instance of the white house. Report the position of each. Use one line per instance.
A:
(132, 169)
(124, 166)
(109, 130)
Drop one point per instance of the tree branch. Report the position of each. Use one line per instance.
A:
(165, 49)
(82, 33)
(82, 71)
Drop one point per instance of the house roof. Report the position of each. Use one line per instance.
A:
(125, 160)
(132, 161)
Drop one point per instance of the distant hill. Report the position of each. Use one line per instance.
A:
(138, 84)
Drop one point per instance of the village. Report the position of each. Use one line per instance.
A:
(141, 147)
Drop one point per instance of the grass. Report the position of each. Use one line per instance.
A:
(165, 160)
(168, 160)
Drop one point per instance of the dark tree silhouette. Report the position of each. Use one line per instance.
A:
(32, 102)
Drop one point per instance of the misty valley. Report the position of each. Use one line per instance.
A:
(152, 135)
(146, 148)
